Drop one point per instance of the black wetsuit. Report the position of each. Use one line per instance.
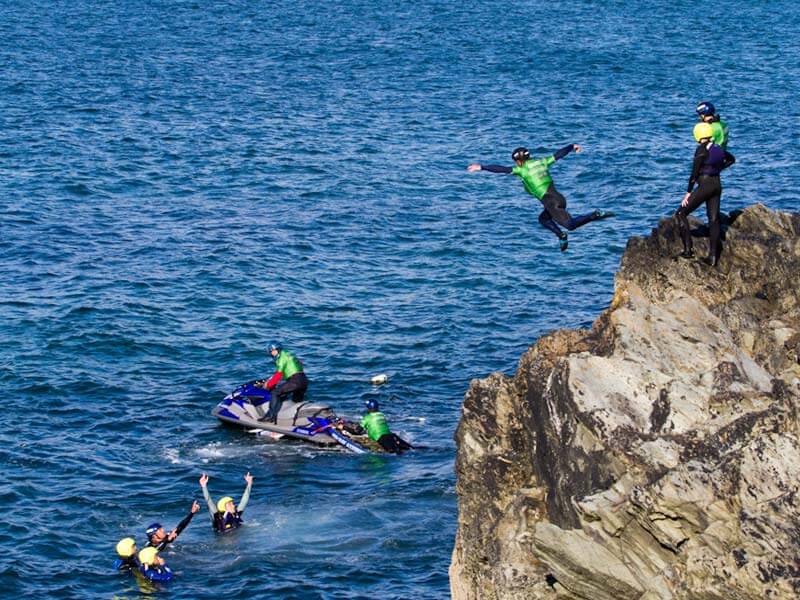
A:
(555, 212)
(390, 442)
(296, 385)
(393, 443)
(709, 160)
(166, 541)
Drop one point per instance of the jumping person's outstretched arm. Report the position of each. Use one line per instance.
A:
(557, 155)
(561, 153)
(490, 168)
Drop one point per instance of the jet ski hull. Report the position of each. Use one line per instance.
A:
(246, 406)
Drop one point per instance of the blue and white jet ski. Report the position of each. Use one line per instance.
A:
(247, 404)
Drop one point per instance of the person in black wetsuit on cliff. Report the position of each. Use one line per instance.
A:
(709, 160)
(535, 175)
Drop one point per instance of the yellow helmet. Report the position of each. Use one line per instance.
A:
(147, 556)
(126, 547)
(222, 502)
(703, 131)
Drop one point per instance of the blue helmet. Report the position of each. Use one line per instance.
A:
(275, 346)
(152, 528)
(372, 404)
(705, 109)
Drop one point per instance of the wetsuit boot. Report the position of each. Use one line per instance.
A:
(602, 214)
(563, 241)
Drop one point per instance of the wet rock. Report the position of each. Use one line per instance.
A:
(655, 455)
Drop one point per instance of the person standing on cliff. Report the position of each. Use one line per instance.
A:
(535, 176)
(707, 113)
(709, 160)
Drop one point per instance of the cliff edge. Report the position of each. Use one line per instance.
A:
(655, 455)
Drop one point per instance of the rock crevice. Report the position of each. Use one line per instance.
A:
(655, 455)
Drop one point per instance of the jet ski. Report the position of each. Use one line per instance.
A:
(247, 405)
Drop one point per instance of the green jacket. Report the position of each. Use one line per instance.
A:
(288, 364)
(375, 424)
(535, 175)
(720, 130)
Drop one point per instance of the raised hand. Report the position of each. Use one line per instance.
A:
(195, 506)
(203, 480)
(248, 478)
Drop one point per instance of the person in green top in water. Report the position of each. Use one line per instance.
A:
(289, 378)
(375, 426)
(707, 113)
(535, 175)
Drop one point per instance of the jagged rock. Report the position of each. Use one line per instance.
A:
(656, 455)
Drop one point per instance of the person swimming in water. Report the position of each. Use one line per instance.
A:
(535, 175)
(709, 160)
(374, 424)
(225, 515)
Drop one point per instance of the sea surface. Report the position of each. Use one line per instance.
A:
(182, 182)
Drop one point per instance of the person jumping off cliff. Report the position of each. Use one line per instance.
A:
(535, 175)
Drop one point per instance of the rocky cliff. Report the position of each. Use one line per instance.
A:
(656, 455)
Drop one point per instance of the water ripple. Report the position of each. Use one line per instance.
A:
(183, 183)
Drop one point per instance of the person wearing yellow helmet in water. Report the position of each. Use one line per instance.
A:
(225, 515)
(126, 551)
(704, 187)
(152, 566)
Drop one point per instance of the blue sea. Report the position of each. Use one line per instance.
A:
(182, 182)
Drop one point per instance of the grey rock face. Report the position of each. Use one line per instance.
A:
(656, 455)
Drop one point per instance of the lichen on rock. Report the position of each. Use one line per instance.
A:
(655, 455)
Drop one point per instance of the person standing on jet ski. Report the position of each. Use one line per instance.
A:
(375, 426)
(225, 515)
(289, 378)
(159, 539)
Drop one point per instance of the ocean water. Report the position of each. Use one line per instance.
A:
(181, 182)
